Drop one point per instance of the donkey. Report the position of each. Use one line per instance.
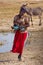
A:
(31, 11)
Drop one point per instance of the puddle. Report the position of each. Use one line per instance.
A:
(6, 41)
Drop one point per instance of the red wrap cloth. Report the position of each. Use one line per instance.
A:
(18, 43)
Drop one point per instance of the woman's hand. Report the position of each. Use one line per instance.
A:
(12, 27)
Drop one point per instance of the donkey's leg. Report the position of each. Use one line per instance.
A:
(31, 20)
(40, 21)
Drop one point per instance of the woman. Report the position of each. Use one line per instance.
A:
(20, 34)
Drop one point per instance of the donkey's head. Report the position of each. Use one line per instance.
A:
(23, 9)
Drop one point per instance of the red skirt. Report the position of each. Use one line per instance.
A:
(18, 43)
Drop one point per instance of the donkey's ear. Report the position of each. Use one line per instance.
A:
(25, 4)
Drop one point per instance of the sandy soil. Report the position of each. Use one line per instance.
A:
(8, 9)
(33, 51)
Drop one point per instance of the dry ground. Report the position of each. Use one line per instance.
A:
(8, 9)
(33, 52)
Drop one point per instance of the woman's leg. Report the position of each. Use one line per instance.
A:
(22, 41)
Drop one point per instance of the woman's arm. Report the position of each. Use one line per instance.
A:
(27, 20)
